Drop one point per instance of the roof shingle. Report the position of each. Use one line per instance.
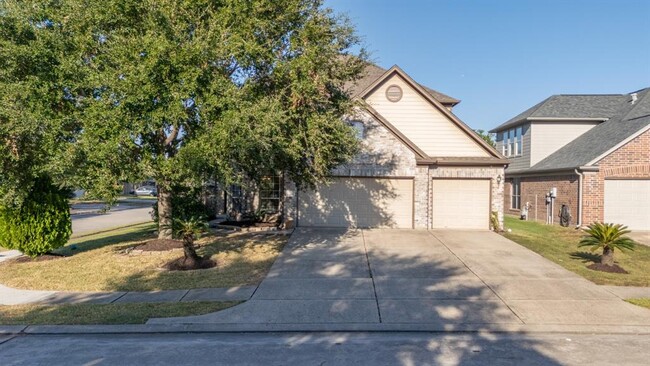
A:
(628, 120)
(374, 72)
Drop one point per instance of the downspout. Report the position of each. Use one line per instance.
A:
(580, 179)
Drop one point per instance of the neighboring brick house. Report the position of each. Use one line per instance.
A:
(594, 149)
(419, 167)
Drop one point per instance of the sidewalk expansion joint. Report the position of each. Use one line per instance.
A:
(372, 278)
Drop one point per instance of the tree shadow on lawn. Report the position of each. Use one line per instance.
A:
(241, 260)
(586, 257)
(127, 236)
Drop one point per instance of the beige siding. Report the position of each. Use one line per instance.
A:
(422, 123)
(548, 137)
(461, 204)
(358, 202)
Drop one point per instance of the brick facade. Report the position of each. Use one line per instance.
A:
(384, 155)
(631, 160)
(534, 190)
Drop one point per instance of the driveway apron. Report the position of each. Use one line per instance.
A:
(446, 279)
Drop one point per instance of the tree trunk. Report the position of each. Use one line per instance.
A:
(164, 213)
(190, 251)
(608, 256)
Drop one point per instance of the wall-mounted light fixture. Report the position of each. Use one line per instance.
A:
(499, 179)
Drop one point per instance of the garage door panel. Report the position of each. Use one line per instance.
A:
(627, 202)
(358, 202)
(461, 204)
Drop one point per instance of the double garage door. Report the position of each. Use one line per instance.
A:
(387, 202)
(627, 202)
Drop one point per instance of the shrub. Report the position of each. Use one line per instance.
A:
(40, 224)
(607, 237)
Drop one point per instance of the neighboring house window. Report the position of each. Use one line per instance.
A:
(358, 128)
(270, 193)
(515, 196)
(512, 142)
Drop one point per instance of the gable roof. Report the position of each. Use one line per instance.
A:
(372, 73)
(593, 145)
(569, 106)
(496, 158)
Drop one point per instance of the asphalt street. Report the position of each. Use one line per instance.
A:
(326, 349)
(89, 218)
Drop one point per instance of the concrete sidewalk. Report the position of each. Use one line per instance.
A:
(10, 296)
(415, 279)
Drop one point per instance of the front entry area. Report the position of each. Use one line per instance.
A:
(461, 204)
(358, 202)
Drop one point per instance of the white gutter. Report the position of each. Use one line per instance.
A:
(591, 119)
(580, 177)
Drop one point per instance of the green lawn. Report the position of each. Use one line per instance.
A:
(641, 302)
(560, 245)
(80, 314)
(100, 262)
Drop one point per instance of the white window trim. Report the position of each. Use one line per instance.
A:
(512, 145)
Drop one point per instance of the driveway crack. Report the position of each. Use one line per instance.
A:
(372, 278)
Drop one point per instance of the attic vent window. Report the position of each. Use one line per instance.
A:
(394, 93)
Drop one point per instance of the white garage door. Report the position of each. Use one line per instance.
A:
(627, 202)
(358, 202)
(461, 204)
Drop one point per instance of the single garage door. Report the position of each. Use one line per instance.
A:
(461, 204)
(627, 202)
(358, 202)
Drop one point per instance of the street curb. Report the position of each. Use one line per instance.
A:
(327, 328)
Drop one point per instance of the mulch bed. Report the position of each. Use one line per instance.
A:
(248, 223)
(40, 258)
(181, 264)
(160, 245)
(605, 268)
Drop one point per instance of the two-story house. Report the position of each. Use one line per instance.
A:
(593, 149)
(420, 166)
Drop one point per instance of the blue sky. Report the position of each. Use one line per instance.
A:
(502, 57)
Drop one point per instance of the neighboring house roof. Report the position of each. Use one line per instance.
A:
(569, 106)
(630, 120)
(373, 72)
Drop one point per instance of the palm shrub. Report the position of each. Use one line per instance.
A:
(40, 224)
(608, 237)
(188, 230)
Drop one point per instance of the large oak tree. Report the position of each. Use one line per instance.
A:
(189, 91)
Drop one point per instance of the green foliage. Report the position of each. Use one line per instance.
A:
(487, 137)
(190, 228)
(37, 119)
(95, 93)
(606, 236)
(186, 203)
(41, 224)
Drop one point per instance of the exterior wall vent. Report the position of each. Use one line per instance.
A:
(394, 93)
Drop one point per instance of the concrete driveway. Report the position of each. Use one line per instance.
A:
(416, 279)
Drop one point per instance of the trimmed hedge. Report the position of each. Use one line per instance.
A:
(41, 224)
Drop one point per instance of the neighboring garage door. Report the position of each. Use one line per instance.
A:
(358, 202)
(627, 202)
(461, 204)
